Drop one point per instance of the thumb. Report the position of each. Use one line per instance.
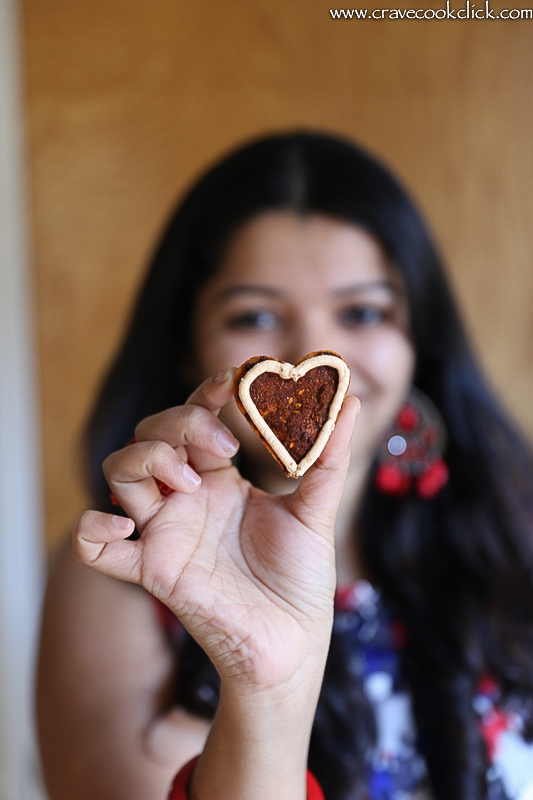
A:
(316, 500)
(99, 542)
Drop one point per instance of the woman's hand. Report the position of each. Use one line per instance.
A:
(250, 575)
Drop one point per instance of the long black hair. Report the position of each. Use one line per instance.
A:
(457, 569)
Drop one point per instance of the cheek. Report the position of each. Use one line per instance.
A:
(386, 360)
(223, 350)
(383, 368)
(210, 355)
(214, 354)
(218, 348)
(394, 362)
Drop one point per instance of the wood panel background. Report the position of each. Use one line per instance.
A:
(127, 101)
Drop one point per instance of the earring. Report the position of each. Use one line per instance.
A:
(410, 455)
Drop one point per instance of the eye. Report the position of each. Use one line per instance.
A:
(260, 319)
(361, 315)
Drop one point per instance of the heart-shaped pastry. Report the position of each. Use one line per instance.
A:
(293, 408)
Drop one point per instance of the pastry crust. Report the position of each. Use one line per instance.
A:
(321, 397)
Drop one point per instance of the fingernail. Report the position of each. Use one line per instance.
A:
(123, 523)
(228, 443)
(191, 478)
(223, 376)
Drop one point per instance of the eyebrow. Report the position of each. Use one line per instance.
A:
(278, 294)
(357, 288)
(248, 288)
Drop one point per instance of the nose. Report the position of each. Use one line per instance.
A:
(309, 331)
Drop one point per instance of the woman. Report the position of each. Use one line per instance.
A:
(293, 244)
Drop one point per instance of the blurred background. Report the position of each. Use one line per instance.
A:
(121, 104)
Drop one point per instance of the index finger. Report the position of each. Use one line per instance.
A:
(214, 392)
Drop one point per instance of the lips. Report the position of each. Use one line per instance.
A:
(293, 408)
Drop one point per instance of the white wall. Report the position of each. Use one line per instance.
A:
(20, 495)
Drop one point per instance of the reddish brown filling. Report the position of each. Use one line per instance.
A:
(296, 410)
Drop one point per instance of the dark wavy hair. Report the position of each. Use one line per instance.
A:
(458, 569)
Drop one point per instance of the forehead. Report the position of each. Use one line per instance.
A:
(286, 249)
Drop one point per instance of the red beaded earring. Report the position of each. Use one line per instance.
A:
(410, 455)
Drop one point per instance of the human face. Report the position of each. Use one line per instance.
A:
(289, 285)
